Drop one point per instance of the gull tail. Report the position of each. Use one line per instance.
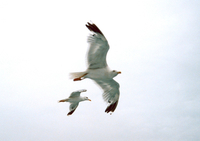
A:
(75, 75)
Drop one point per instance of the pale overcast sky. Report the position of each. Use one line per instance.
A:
(155, 44)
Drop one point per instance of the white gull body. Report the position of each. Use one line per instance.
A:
(74, 100)
(98, 69)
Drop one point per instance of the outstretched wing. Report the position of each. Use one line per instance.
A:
(111, 93)
(98, 49)
(77, 93)
(72, 108)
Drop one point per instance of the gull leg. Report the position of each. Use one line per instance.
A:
(79, 78)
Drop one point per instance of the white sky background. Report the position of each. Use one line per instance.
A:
(155, 44)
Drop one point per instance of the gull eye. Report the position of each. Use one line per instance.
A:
(86, 97)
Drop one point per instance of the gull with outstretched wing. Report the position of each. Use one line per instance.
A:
(98, 69)
(74, 100)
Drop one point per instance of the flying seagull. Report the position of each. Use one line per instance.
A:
(98, 69)
(74, 100)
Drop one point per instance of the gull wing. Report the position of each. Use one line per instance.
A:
(98, 49)
(72, 108)
(111, 93)
(76, 93)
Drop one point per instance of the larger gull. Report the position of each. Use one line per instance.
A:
(74, 100)
(98, 69)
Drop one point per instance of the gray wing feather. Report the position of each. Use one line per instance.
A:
(72, 108)
(98, 49)
(75, 94)
(111, 93)
(97, 53)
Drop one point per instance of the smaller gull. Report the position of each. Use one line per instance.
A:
(74, 100)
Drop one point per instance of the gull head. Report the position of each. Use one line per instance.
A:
(86, 98)
(114, 73)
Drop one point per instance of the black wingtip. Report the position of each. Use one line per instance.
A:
(111, 107)
(71, 112)
(94, 28)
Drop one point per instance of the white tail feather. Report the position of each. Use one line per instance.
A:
(74, 75)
